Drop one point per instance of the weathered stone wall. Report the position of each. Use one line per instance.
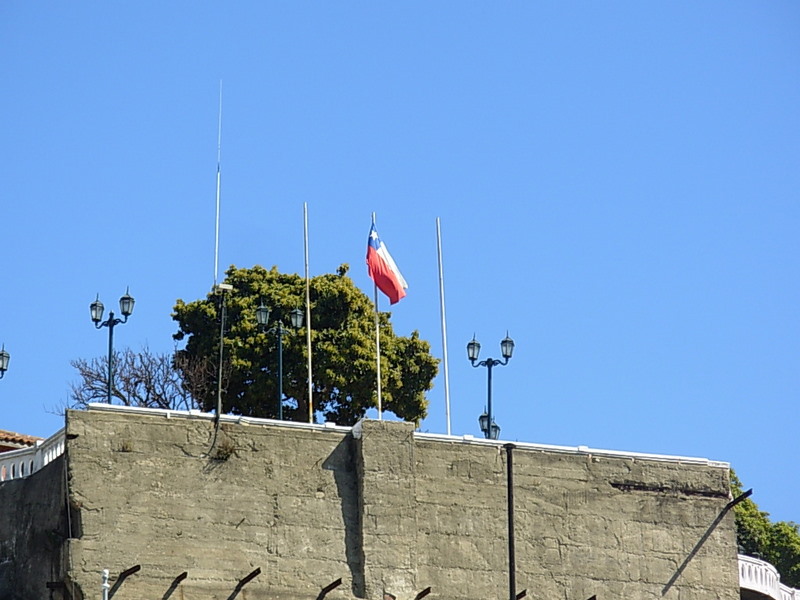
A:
(33, 531)
(166, 495)
(585, 525)
(385, 510)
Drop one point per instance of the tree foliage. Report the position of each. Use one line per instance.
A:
(342, 341)
(777, 543)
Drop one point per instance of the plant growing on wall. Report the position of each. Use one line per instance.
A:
(342, 342)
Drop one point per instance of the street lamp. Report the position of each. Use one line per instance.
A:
(96, 311)
(490, 429)
(4, 358)
(296, 317)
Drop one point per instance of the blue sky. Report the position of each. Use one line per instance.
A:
(617, 184)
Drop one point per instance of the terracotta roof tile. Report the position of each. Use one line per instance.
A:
(18, 438)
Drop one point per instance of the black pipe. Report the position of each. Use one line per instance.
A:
(174, 585)
(423, 593)
(249, 578)
(512, 559)
(328, 588)
(703, 539)
(243, 582)
(738, 499)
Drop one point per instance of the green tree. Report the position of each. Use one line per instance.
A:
(343, 350)
(783, 551)
(777, 543)
(752, 524)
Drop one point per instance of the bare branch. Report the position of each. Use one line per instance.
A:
(140, 379)
(199, 378)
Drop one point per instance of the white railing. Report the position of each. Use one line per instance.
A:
(760, 576)
(17, 464)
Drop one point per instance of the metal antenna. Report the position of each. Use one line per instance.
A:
(219, 156)
(444, 327)
(308, 317)
(221, 289)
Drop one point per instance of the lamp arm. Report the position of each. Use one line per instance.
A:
(489, 361)
(110, 323)
(279, 328)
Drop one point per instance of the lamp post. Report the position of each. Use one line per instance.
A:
(490, 429)
(4, 358)
(96, 310)
(296, 317)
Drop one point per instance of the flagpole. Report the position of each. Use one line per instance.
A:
(219, 155)
(378, 353)
(219, 289)
(377, 344)
(444, 326)
(308, 318)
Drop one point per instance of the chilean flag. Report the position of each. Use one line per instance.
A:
(382, 268)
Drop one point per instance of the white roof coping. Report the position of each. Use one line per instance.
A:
(586, 450)
(197, 414)
(433, 437)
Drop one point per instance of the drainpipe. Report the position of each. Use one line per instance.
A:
(512, 560)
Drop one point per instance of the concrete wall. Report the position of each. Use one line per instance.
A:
(33, 531)
(615, 527)
(585, 525)
(385, 510)
(166, 495)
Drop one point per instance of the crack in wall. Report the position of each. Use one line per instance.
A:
(633, 486)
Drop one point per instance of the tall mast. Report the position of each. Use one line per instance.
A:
(219, 157)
